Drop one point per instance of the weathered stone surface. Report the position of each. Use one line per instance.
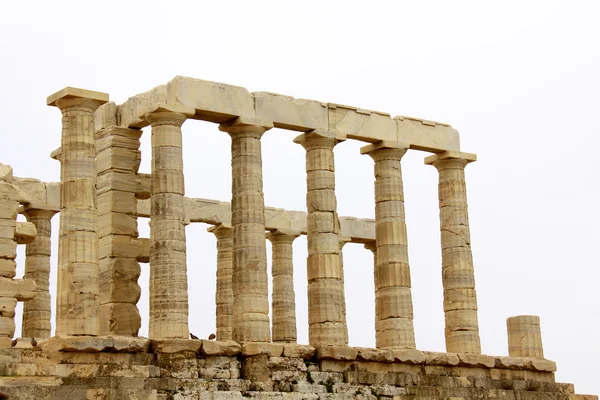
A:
(25, 232)
(342, 353)
(445, 359)
(477, 360)
(221, 348)
(270, 349)
(380, 355)
(410, 356)
(298, 350)
(176, 345)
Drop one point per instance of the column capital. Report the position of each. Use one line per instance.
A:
(38, 213)
(246, 125)
(221, 230)
(371, 246)
(385, 150)
(319, 138)
(70, 97)
(450, 158)
(169, 114)
(282, 236)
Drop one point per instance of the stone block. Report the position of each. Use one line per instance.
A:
(220, 348)
(6, 173)
(171, 346)
(427, 135)
(117, 224)
(379, 355)
(297, 350)
(444, 359)
(270, 349)
(105, 116)
(289, 113)
(119, 246)
(8, 228)
(510, 363)
(341, 353)
(7, 307)
(25, 232)
(20, 289)
(409, 356)
(366, 125)
(477, 360)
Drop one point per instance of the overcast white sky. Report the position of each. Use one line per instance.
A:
(518, 79)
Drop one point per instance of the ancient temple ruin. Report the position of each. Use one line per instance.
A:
(96, 352)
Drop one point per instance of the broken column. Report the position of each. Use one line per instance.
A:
(250, 280)
(168, 269)
(524, 336)
(224, 293)
(326, 300)
(283, 297)
(458, 275)
(78, 272)
(393, 300)
(36, 312)
(118, 160)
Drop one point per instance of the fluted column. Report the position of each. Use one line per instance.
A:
(168, 270)
(458, 275)
(224, 293)
(250, 280)
(78, 272)
(36, 312)
(283, 297)
(393, 300)
(326, 300)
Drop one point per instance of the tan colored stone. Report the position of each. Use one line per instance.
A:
(540, 364)
(409, 356)
(510, 362)
(444, 359)
(477, 360)
(175, 345)
(378, 355)
(298, 351)
(289, 113)
(25, 232)
(524, 336)
(255, 349)
(341, 353)
(8, 268)
(6, 173)
(221, 348)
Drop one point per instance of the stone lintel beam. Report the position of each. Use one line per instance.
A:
(41, 195)
(219, 103)
(360, 230)
(450, 155)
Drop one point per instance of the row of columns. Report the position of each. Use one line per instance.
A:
(246, 318)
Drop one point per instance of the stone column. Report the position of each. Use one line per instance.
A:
(11, 290)
(458, 275)
(118, 160)
(326, 300)
(78, 273)
(283, 297)
(250, 280)
(524, 336)
(36, 312)
(224, 293)
(168, 269)
(393, 299)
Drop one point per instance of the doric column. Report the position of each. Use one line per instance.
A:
(250, 280)
(168, 270)
(283, 297)
(77, 293)
(11, 234)
(326, 301)
(36, 312)
(393, 301)
(118, 160)
(524, 336)
(224, 294)
(458, 277)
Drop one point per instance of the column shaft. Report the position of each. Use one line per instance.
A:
(224, 293)
(168, 269)
(524, 336)
(458, 275)
(283, 297)
(78, 271)
(326, 299)
(393, 299)
(36, 312)
(118, 160)
(250, 279)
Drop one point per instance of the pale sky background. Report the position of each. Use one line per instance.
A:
(518, 79)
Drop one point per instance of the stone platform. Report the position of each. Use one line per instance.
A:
(138, 368)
